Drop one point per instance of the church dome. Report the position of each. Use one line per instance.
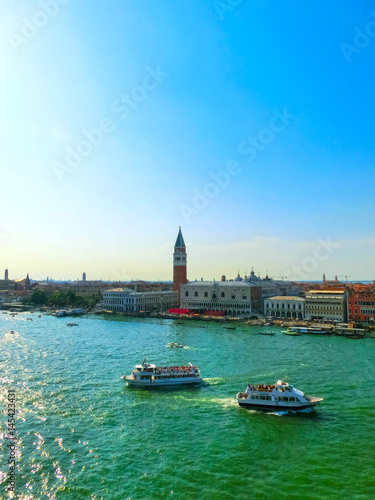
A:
(253, 277)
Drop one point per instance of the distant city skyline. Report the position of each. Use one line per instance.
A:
(251, 126)
(317, 256)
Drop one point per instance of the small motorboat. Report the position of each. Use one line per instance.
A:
(12, 332)
(293, 334)
(230, 327)
(72, 324)
(266, 333)
(29, 319)
(175, 344)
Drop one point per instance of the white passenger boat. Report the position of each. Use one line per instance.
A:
(278, 396)
(309, 329)
(149, 375)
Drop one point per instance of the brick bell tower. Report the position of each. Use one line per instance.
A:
(179, 264)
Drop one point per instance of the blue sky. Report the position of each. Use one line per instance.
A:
(224, 74)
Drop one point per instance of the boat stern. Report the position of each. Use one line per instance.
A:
(241, 395)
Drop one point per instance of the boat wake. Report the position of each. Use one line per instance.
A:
(282, 413)
(213, 381)
(225, 402)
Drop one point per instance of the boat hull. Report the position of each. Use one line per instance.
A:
(278, 407)
(162, 383)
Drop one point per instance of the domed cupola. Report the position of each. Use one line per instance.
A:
(253, 276)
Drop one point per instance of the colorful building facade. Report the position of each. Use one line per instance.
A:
(361, 307)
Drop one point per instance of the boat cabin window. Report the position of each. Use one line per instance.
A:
(292, 399)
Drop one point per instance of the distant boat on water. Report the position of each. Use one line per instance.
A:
(312, 330)
(292, 333)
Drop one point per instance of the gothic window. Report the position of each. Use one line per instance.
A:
(214, 295)
(233, 296)
(186, 294)
(206, 294)
(222, 294)
(196, 294)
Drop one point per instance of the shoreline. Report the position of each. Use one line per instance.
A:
(184, 318)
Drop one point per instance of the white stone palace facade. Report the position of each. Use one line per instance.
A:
(234, 298)
(237, 297)
(285, 307)
(126, 300)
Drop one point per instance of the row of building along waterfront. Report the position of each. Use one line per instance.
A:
(243, 299)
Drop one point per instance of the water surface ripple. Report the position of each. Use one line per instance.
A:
(82, 434)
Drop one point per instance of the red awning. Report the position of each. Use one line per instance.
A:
(214, 313)
(178, 311)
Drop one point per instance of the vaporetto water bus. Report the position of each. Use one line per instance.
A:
(150, 375)
(310, 329)
(278, 396)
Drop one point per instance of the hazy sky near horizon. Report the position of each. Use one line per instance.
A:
(249, 123)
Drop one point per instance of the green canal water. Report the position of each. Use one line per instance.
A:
(82, 434)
